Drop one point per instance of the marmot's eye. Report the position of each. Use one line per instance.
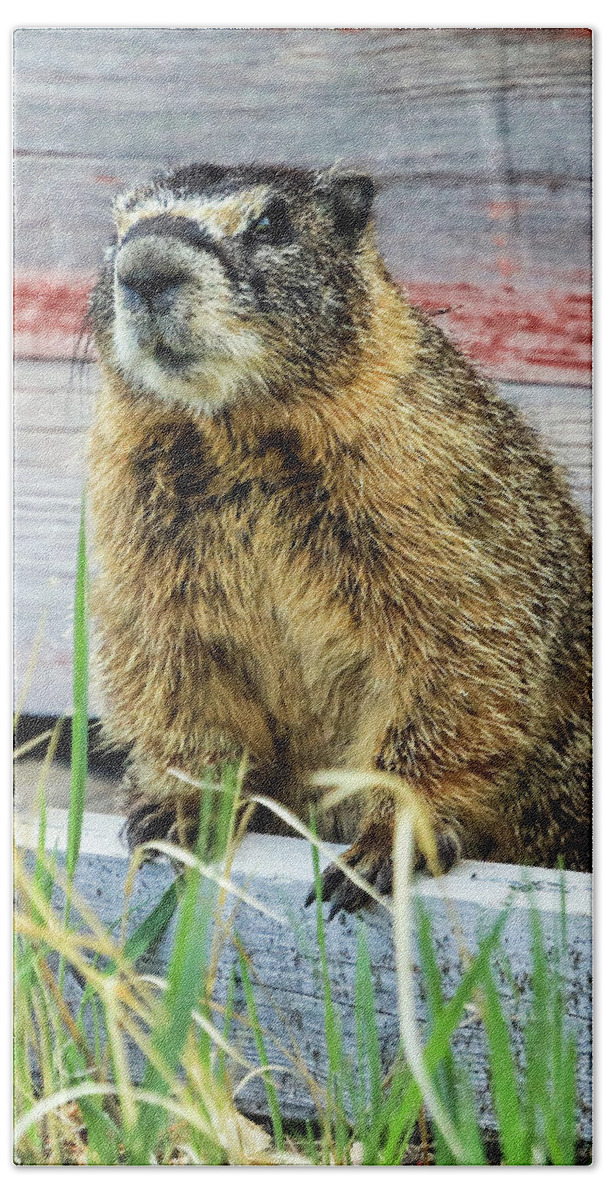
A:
(272, 227)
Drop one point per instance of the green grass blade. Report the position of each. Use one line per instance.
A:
(537, 1040)
(80, 718)
(451, 1079)
(138, 944)
(43, 871)
(405, 1110)
(103, 1137)
(366, 1010)
(565, 1054)
(468, 1124)
(271, 1094)
(43, 876)
(445, 1076)
(565, 1100)
(333, 1030)
(43, 880)
(143, 937)
(188, 960)
(185, 986)
(503, 1079)
(560, 1111)
(310, 1146)
(224, 829)
(152, 927)
(371, 1112)
(228, 1014)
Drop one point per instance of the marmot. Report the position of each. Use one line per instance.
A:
(323, 539)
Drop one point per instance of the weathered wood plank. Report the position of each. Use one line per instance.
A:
(513, 335)
(284, 958)
(420, 61)
(458, 135)
(52, 395)
(100, 89)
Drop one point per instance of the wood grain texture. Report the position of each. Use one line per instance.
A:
(411, 97)
(284, 957)
(535, 337)
(533, 234)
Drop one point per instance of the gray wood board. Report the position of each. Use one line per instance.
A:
(52, 414)
(451, 121)
(414, 61)
(88, 89)
(285, 961)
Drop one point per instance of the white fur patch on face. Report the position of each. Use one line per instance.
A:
(211, 381)
(224, 216)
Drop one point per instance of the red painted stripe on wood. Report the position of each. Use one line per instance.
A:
(48, 313)
(528, 337)
(523, 336)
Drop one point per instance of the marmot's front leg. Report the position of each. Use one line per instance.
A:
(458, 789)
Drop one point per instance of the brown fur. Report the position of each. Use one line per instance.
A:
(385, 571)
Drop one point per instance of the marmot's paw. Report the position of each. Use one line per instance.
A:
(147, 821)
(377, 869)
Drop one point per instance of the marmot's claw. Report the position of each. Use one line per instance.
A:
(384, 878)
(448, 849)
(348, 897)
(331, 880)
(344, 893)
(448, 852)
(146, 822)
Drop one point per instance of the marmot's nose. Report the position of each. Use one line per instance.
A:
(150, 285)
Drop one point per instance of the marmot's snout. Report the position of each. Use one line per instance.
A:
(173, 303)
(154, 286)
(153, 292)
(149, 282)
(157, 257)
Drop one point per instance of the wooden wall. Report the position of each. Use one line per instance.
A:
(481, 144)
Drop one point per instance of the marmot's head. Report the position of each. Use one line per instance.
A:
(226, 282)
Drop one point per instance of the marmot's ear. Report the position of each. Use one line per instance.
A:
(350, 198)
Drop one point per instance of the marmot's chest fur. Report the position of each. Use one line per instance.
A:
(247, 559)
(323, 540)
